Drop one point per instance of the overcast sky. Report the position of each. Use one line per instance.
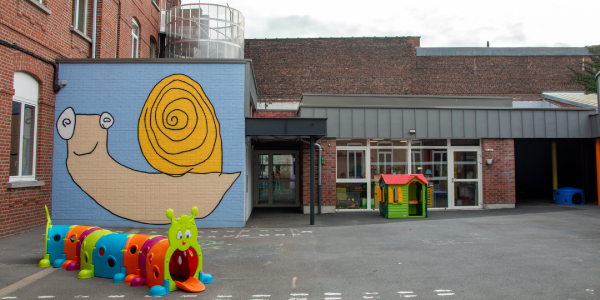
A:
(505, 23)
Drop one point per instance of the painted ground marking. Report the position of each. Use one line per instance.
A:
(405, 292)
(9, 297)
(441, 291)
(300, 294)
(280, 234)
(409, 296)
(264, 234)
(224, 296)
(445, 294)
(45, 297)
(333, 294)
(26, 281)
(116, 296)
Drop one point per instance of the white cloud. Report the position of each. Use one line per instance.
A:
(440, 23)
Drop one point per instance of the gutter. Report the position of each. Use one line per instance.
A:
(94, 19)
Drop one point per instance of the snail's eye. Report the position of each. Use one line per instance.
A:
(188, 234)
(179, 235)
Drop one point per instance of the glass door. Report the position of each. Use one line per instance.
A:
(466, 179)
(276, 173)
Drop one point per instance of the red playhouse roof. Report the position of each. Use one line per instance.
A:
(402, 179)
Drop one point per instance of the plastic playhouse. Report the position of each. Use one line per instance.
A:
(133, 259)
(402, 196)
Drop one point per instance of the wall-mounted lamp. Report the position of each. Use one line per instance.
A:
(63, 83)
(412, 131)
(489, 161)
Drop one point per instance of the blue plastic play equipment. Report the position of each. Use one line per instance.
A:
(569, 196)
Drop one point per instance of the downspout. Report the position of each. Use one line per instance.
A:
(319, 162)
(94, 16)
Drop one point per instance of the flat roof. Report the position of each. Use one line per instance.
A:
(153, 60)
(573, 98)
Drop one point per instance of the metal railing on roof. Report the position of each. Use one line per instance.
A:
(202, 30)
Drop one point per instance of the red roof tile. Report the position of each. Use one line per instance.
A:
(402, 179)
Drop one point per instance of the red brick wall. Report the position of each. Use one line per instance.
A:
(327, 170)
(497, 75)
(499, 178)
(286, 68)
(273, 114)
(50, 36)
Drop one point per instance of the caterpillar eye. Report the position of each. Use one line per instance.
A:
(188, 234)
(66, 124)
(106, 120)
(179, 235)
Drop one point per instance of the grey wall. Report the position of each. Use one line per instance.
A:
(455, 123)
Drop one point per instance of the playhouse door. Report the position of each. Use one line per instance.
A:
(276, 173)
(465, 190)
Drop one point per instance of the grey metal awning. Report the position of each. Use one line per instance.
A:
(286, 127)
(349, 119)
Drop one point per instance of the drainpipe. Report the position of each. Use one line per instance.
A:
(94, 16)
(319, 162)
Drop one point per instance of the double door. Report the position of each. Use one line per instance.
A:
(276, 178)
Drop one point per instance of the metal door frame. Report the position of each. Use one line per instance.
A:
(452, 180)
(297, 166)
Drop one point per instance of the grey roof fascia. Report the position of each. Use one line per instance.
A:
(568, 101)
(460, 108)
(152, 60)
(503, 51)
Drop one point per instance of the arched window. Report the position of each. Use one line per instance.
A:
(23, 127)
(135, 39)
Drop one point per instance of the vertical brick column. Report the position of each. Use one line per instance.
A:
(327, 171)
(499, 187)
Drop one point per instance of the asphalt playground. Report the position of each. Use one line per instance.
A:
(536, 251)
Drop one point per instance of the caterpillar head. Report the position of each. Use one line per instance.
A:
(183, 231)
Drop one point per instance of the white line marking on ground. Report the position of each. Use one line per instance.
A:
(264, 230)
(367, 297)
(188, 296)
(230, 231)
(9, 297)
(440, 291)
(405, 292)
(244, 235)
(261, 296)
(116, 296)
(213, 231)
(330, 298)
(279, 234)
(298, 298)
(81, 296)
(333, 294)
(445, 294)
(228, 235)
(305, 231)
(152, 231)
(26, 281)
(409, 296)
(301, 294)
(264, 234)
(45, 297)
(224, 296)
(372, 293)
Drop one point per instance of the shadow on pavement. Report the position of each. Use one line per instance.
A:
(292, 217)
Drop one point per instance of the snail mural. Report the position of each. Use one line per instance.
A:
(179, 135)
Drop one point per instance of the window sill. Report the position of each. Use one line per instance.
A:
(25, 184)
(41, 6)
(157, 8)
(81, 34)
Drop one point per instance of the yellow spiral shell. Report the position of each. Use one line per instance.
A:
(178, 130)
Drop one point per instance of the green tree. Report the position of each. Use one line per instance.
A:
(588, 76)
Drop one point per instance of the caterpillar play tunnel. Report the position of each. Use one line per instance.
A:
(162, 263)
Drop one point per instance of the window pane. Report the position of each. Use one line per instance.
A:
(457, 142)
(81, 15)
(351, 195)
(387, 142)
(351, 142)
(439, 142)
(134, 50)
(465, 165)
(28, 137)
(466, 194)
(388, 161)
(15, 135)
(350, 164)
(135, 29)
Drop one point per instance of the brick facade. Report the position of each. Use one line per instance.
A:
(328, 169)
(273, 114)
(46, 31)
(499, 186)
(287, 68)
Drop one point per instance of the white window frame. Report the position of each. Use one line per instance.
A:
(76, 16)
(135, 39)
(32, 102)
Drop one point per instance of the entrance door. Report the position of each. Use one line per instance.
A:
(466, 179)
(276, 176)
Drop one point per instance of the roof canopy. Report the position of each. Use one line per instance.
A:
(402, 179)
